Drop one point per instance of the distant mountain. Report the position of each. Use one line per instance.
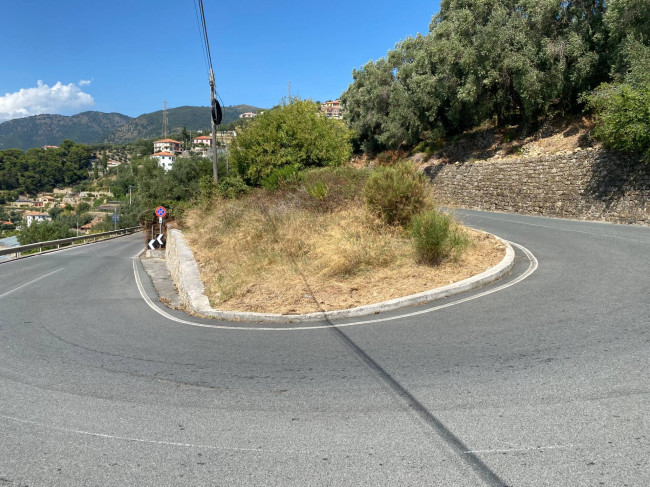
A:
(150, 125)
(98, 127)
(40, 130)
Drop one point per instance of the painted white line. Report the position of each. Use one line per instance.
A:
(528, 448)
(564, 229)
(30, 282)
(141, 440)
(531, 268)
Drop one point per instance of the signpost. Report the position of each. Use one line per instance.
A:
(160, 212)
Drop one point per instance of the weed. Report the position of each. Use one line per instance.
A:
(436, 237)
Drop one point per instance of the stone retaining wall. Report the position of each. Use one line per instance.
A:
(590, 184)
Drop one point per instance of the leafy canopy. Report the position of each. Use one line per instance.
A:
(295, 134)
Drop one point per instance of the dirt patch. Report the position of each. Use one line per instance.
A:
(317, 262)
(556, 136)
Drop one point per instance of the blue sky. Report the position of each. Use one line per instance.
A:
(128, 56)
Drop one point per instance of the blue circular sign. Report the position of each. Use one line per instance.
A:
(160, 211)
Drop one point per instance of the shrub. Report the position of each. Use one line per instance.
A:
(281, 178)
(623, 117)
(395, 193)
(232, 187)
(436, 237)
(296, 134)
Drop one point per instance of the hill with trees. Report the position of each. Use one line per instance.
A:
(149, 125)
(40, 130)
(97, 127)
(506, 62)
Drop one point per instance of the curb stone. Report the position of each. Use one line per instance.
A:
(185, 274)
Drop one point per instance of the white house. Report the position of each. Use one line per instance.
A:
(167, 145)
(165, 159)
(247, 115)
(202, 140)
(34, 216)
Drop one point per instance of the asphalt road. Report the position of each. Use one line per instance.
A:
(543, 382)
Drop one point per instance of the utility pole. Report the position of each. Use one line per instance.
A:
(215, 170)
(130, 194)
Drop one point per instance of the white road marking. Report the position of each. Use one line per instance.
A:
(564, 229)
(531, 268)
(141, 440)
(30, 282)
(528, 448)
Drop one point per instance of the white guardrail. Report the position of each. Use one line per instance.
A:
(64, 242)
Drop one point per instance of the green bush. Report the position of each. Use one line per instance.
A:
(296, 134)
(436, 237)
(395, 193)
(281, 178)
(623, 117)
(232, 187)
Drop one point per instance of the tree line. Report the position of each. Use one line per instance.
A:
(44, 169)
(508, 62)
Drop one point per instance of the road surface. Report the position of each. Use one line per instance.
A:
(542, 382)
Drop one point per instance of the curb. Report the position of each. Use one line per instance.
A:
(185, 274)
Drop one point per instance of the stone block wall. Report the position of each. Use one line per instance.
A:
(589, 184)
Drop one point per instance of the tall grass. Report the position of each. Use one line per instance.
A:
(436, 237)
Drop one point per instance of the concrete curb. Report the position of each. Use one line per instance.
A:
(185, 274)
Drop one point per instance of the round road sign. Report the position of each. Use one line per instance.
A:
(160, 211)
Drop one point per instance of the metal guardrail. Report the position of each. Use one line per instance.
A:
(57, 244)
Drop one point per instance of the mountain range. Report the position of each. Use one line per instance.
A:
(98, 127)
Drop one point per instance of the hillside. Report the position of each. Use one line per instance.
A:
(97, 127)
(149, 125)
(40, 130)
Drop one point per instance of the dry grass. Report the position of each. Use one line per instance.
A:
(270, 253)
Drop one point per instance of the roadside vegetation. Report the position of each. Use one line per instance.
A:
(314, 243)
(504, 63)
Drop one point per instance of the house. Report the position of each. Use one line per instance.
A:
(35, 216)
(202, 140)
(89, 226)
(46, 199)
(332, 109)
(167, 145)
(23, 201)
(46, 147)
(247, 115)
(165, 159)
(113, 164)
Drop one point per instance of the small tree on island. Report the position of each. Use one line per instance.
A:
(296, 134)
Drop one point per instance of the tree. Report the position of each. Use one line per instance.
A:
(42, 232)
(295, 134)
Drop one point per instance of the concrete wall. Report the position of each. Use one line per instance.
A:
(185, 273)
(590, 184)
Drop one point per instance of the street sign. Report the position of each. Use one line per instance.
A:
(116, 218)
(159, 239)
(160, 211)
(152, 244)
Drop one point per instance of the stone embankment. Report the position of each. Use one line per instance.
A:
(589, 184)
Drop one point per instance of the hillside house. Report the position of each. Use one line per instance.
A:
(167, 145)
(34, 216)
(165, 159)
(23, 201)
(202, 140)
(248, 115)
(332, 109)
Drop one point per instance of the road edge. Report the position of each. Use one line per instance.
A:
(186, 276)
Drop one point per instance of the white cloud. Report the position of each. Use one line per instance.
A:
(55, 99)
